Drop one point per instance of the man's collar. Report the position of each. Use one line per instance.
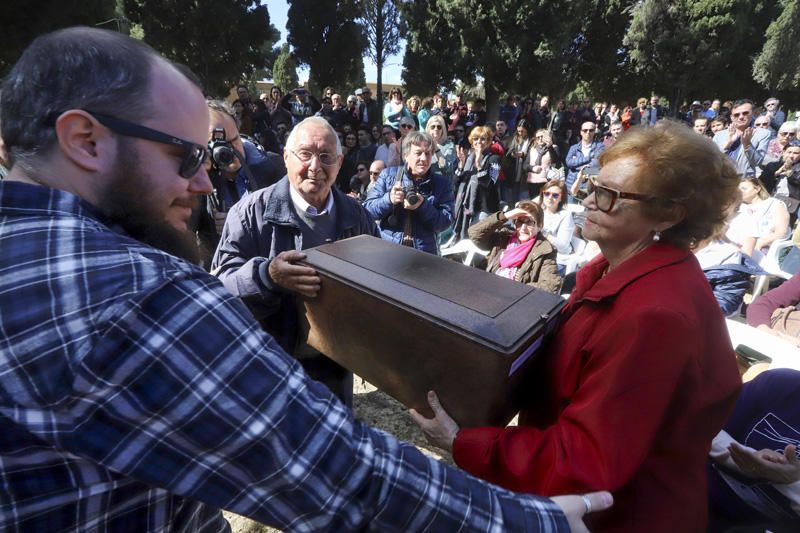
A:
(304, 207)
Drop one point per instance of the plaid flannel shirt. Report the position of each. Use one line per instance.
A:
(136, 394)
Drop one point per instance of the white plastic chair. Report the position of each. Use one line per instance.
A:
(464, 246)
(771, 264)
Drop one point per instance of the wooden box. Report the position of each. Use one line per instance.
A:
(409, 322)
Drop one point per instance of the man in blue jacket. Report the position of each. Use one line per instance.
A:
(265, 233)
(582, 154)
(411, 203)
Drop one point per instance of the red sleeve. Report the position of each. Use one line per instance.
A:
(760, 311)
(628, 375)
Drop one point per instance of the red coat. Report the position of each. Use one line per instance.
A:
(639, 378)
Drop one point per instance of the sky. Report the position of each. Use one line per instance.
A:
(392, 71)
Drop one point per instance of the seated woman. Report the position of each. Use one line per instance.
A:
(768, 311)
(761, 220)
(728, 271)
(559, 225)
(641, 374)
(522, 254)
(754, 470)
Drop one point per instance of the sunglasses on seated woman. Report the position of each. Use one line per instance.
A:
(606, 197)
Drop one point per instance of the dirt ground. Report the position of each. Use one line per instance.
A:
(378, 410)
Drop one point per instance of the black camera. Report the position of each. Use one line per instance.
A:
(222, 153)
(412, 196)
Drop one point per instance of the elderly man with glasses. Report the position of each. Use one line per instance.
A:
(744, 145)
(786, 133)
(261, 246)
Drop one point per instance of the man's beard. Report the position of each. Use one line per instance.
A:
(126, 203)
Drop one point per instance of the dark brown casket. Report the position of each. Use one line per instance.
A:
(409, 322)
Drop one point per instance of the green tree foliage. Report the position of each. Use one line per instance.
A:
(696, 48)
(325, 36)
(513, 45)
(777, 67)
(284, 73)
(23, 21)
(382, 24)
(221, 41)
(616, 49)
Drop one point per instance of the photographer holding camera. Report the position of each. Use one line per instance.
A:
(236, 167)
(411, 203)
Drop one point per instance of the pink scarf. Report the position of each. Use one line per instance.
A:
(516, 252)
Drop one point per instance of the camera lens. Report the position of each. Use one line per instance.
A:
(223, 155)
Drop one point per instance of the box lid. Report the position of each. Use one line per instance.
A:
(485, 307)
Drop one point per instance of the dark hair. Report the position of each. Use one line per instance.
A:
(742, 101)
(75, 68)
(355, 183)
(364, 127)
(561, 186)
(535, 211)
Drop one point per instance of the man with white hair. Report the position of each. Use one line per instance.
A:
(264, 235)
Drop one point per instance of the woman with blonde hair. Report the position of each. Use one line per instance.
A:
(476, 181)
(760, 221)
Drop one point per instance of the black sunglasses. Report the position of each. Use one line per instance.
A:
(194, 155)
(605, 197)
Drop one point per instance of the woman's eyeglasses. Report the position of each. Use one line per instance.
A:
(434, 127)
(555, 195)
(606, 197)
(524, 221)
(406, 126)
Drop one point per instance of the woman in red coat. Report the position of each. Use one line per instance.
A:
(641, 374)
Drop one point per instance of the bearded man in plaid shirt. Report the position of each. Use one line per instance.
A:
(136, 394)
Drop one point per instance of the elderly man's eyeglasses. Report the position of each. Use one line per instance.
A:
(742, 114)
(606, 197)
(588, 130)
(306, 156)
(762, 124)
(373, 173)
(194, 155)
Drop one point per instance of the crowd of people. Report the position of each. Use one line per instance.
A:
(155, 368)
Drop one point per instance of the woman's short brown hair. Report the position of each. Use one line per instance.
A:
(682, 170)
(561, 187)
(534, 209)
(479, 131)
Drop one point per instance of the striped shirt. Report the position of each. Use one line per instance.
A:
(136, 394)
